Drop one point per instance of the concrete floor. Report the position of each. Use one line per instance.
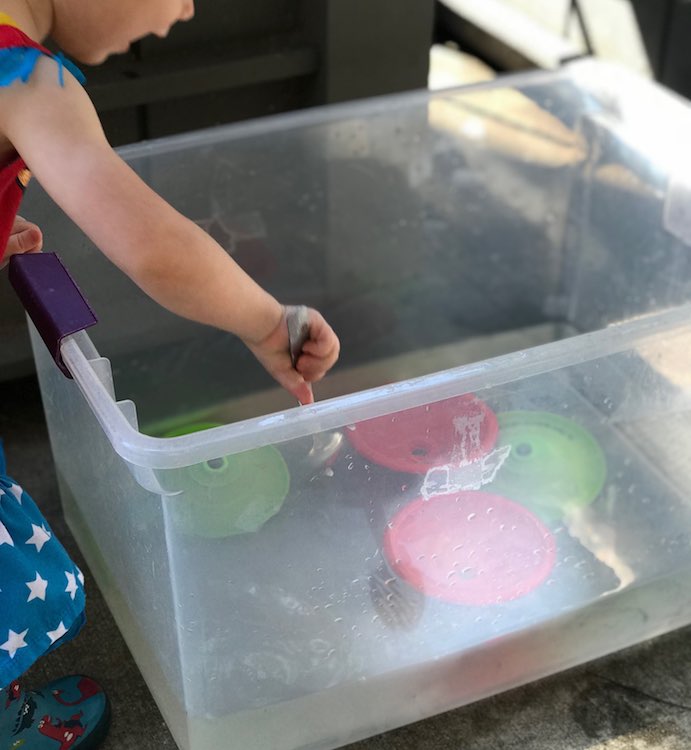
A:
(639, 699)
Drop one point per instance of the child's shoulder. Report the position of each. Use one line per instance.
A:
(39, 100)
(19, 54)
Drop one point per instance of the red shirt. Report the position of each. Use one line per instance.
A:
(14, 176)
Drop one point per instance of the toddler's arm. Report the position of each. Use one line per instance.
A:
(57, 132)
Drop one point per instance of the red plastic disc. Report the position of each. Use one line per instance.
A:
(456, 430)
(470, 548)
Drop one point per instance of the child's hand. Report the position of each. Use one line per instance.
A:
(319, 353)
(25, 237)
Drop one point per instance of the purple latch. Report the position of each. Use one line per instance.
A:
(51, 298)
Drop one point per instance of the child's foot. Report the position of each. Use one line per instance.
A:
(71, 713)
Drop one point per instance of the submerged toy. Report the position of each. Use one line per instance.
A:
(472, 548)
(554, 466)
(454, 431)
(230, 495)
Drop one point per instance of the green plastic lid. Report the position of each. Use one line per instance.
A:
(229, 495)
(555, 465)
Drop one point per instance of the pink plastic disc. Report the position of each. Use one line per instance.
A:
(470, 548)
(456, 430)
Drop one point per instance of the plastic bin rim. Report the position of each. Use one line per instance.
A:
(171, 453)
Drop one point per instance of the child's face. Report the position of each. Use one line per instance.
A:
(91, 31)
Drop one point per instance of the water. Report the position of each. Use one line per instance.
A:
(269, 635)
(380, 702)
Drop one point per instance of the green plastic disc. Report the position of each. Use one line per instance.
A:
(188, 429)
(229, 495)
(554, 466)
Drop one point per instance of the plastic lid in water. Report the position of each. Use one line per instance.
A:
(455, 430)
(229, 495)
(555, 464)
(470, 547)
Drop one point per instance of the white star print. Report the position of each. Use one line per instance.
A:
(14, 642)
(40, 536)
(80, 576)
(5, 537)
(56, 634)
(37, 588)
(15, 490)
(71, 584)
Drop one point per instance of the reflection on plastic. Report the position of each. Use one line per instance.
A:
(468, 475)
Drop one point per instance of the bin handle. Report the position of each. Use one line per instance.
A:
(51, 299)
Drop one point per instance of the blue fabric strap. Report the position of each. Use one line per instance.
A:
(63, 62)
(18, 63)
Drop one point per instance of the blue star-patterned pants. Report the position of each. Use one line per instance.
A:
(41, 589)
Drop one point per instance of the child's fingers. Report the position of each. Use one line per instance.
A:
(312, 368)
(25, 238)
(297, 386)
(319, 329)
(320, 351)
(317, 358)
(28, 241)
(303, 393)
(326, 351)
(322, 342)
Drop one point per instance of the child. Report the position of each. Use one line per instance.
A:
(48, 128)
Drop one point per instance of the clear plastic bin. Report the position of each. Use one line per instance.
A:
(496, 481)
